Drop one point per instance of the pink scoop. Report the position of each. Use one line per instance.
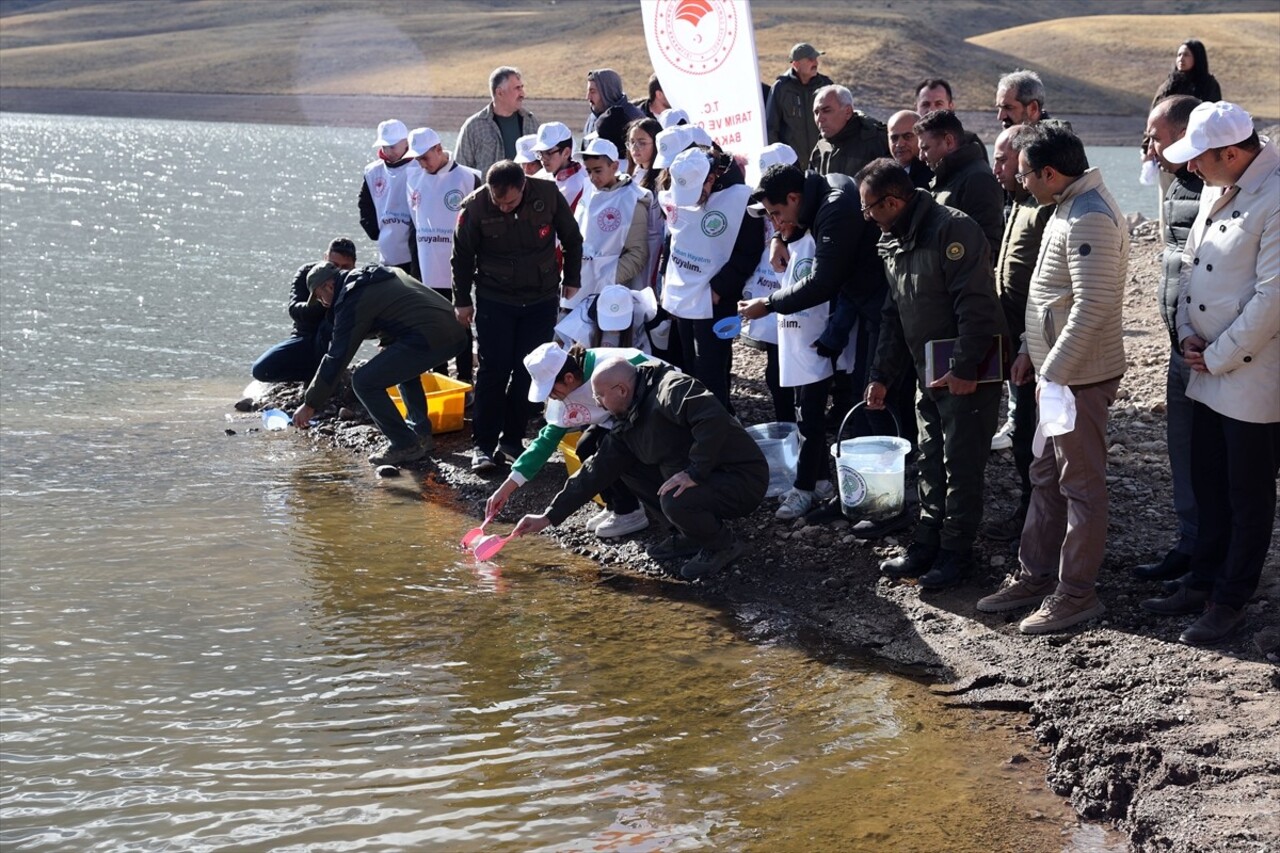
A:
(469, 538)
(487, 547)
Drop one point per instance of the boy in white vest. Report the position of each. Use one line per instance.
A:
(613, 217)
(435, 187)
(384, 204)
(554, 147)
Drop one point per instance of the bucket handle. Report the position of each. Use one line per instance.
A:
(897, 425)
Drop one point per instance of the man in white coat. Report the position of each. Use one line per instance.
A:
(1229, 332)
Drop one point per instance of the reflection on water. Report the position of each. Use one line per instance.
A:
(219, 641)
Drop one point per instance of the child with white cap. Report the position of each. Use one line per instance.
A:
(436, 186)
(562, 380)
(384, 202)
(554, 147)
(526, 156)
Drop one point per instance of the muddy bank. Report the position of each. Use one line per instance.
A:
(444, 114)
(1179, 748)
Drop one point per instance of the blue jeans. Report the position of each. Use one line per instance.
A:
(400, 364)
(1178, 411)
(505, 334)
(294, 360)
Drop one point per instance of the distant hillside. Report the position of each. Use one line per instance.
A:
(1101, 63)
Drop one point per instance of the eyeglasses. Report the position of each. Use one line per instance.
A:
(599, 399)
(866, 210)
(1021, 177)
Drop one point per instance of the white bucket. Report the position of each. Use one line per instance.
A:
(780, 444)
(870, 472)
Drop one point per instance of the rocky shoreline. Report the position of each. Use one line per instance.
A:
(1178, 748)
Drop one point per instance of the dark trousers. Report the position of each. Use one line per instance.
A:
(812, 465)
(707, 358)
(617, 497)
(400, 364)
(955, 440)
(699, 513)
(505, 334)
(464, 364)
(1024, 431)
(1178, 416)
(784, 399)
(864, 421)
(1233, 471)
(293, 360)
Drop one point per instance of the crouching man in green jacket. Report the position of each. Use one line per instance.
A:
(417, 331)
(677, 448)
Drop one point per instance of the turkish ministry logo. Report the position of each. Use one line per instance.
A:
(453, 199)
(576, 413)
(696, 36)
(714, 223)
(415, 199)
(609, 219)
(803, 268)
(379, 186)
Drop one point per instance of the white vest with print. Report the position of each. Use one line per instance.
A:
(604, 219)
(798, 362)
(434, 201)
(579, 409)
(391, 201)
(702, 240)
(763, 282)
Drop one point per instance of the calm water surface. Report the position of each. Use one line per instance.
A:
(236, 642)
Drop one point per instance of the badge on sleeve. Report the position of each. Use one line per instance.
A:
(955, 252)
(538, 205)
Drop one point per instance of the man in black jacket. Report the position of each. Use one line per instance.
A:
(961, 177)
(296, 359)
(680, 452)
(849, 139)
(789, 109)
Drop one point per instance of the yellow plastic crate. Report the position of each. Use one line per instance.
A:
(446, 401)
(569, 447)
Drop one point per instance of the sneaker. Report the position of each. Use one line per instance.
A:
(1003, 439)
(1007, 529)
(482, 461)
(1060, 611)
(795, 503)
(620, 525)
(948, 569)
(1184, 601)
(1016, 592)
(598, 519)
(1218, 622)
(825, 490)
(708, 562)
(509, 452)
(672, 547)
(391, 455)
(918, 560)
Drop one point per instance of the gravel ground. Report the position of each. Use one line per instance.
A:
(1177, 747)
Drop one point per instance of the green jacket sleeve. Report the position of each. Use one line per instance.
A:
(537, 453)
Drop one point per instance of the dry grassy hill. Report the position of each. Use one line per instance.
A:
(1100, 63)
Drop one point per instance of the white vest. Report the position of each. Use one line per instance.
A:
(763, 282)
(702, 240)
(570, 187)
(391, 201)
(798, 362)
(604, 217)
(579, 408)
(434, 201)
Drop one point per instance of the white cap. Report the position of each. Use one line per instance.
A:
(524, 149)
(551, 135)
(688, 173)
(672, 117)
(669, 143)
(700, 135)
(777, 154)
(390, 132)
(422, 140)
(613, 308)
(1210, 126)
(597, 147)
(545, 365)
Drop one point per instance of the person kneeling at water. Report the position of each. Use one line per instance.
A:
(560, 379)
(417, 330)
(677, 448)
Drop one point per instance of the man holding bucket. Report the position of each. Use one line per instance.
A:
(941, 287)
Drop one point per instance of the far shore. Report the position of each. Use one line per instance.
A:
(442, 113)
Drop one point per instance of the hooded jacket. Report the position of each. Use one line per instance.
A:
(611, 122)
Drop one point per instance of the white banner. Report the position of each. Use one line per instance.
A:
(704, 52)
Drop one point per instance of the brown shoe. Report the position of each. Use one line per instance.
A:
(1216, 624)
(1016, 592)
(1059, 611)
(1184, 601)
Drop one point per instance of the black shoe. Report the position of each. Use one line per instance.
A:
(1184, 601)
(708, 562)
(509, 452)
(1217, 623)
(1007, 529)
(827, 512)
(918, 560)
(949, 569)
(673, 547)
(1175, 563)
(1170, 587)
(867, 529)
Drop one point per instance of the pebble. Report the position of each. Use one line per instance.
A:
(997, 561)
(229, 431)
(387, 471)
(245, 404)
(783, 534)
(345, 414)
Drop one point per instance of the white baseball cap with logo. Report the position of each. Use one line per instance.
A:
(390, 132)
(422, 140)
(524, 149)
(552, 135)
(777, 154)
(545, 365)
(613, 308)
(669, 143)
(598, 147)
(1210, 126)
(688, 173)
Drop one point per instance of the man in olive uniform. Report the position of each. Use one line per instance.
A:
(940, 287)
(504, 248)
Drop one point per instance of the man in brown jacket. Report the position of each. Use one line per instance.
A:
(1074, 342)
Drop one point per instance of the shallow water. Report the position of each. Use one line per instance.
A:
(217, 641)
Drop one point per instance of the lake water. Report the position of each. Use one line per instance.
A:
(238, 642)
